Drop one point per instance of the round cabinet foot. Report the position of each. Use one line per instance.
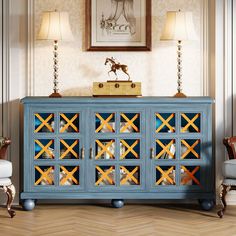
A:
(117, 203)
(28, 204)
(206, 204)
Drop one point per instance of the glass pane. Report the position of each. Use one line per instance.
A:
(44, 149)
(190, 148)
(129, 175)
(190, 123)
(44, 123)
(190, 175)
(165, 122)
(69, 175)
(44, 175)
(129, 122)
(129, 149)
(165, 149)
(105, 175)
(69, 123)
(105, 122)
(69, 149)
(165, 175)
(105, 149)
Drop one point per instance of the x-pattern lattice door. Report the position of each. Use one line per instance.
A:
(190, 122)
(44, 122)
(105, 175)
(130, 123)
(69, 122)
(69, 175)
(69, 149)
(44, 175)
(129, 151)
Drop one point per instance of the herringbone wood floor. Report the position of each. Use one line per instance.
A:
(131, 220)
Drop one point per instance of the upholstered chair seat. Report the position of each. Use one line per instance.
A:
(229, 169)
(5, 169)
(5, 175)
(5, 181)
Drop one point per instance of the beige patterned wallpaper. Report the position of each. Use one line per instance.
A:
(156, 69)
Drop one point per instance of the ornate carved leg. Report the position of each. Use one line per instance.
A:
(10, 191)
(223, 193)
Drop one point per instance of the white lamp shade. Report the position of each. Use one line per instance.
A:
(55, 26)
(179, 26)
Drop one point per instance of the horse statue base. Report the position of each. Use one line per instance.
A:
(117, 88)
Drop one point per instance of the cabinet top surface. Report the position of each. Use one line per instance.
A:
(124, 100)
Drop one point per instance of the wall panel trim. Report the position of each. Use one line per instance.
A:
(1, 77)
(6, 69)
(31, 49)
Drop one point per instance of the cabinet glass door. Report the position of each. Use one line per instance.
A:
(117, 149)
(176, 153)
(57, 150)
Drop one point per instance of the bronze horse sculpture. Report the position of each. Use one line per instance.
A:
(116, 66)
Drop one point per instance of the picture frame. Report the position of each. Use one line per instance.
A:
(114, 25)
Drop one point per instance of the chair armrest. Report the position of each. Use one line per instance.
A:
(230, 144)
(4, 143)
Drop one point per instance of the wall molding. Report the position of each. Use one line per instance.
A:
(228, 66)
(31, 48)
(6, 70)
(234, 66)
(205, 48)
(1, 60)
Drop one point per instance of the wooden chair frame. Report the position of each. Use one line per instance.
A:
(229, 143)
(10, 189)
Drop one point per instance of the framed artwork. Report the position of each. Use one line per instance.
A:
(118, 25)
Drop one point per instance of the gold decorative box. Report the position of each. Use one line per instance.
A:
(117, 88)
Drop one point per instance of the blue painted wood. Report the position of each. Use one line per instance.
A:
(147, 107)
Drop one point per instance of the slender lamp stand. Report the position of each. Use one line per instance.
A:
(179, 27)
(55, 67)
(55, 26)
(179, 94)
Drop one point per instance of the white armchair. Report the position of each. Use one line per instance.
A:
(5, 175)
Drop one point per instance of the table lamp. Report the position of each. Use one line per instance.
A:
(55, 26)
(178, 27)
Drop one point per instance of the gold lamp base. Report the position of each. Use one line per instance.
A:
(55, 95)
(180, 95)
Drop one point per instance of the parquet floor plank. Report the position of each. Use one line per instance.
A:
(131, 220)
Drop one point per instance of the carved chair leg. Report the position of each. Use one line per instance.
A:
(223, 193)
(10, 191)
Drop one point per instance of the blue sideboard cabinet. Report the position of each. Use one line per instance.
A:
(118, 148)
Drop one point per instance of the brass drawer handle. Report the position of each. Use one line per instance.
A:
(152, 153)
(82, 153)
(91, 153)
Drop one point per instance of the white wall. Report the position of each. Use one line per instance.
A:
(156, 69)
